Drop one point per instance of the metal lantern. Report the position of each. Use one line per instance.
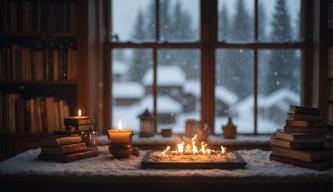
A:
(146, 124)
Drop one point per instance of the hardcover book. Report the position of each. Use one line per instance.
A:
(308, 156)
(59, 141)
(70, 157)
(297, 145)
(304, 110)
(321, 165)
(65, 149)
(300, 136)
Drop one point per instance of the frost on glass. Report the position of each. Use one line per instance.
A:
(129, 96)
(236, 20)
(133, 20)
(179, 20)
(279, 20)
(279, 86)
(178, 81)
(234, 89)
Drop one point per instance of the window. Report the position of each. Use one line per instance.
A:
(163, 55)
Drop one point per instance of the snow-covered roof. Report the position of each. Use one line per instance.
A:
(165, 104)
(167, 75)
(127, 90)
(193, 87)
(119, 67)
(223, 94)
(281, 98)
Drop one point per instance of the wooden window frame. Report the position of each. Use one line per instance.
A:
(208, 45)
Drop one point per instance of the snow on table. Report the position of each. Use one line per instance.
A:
(258, 164)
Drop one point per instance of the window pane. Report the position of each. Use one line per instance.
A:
(128, 92)
(179, 20)
(279, 86)
(234, 89)
(279, 20)
(178, 80)
(236, 20)
(133, 20)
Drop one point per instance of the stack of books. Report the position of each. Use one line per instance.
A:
(65, 149)
(302, 141)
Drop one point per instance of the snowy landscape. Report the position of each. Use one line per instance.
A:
(178, 70)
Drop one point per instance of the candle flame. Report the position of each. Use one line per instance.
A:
(120, 125)
(79, 113)
(167, 149)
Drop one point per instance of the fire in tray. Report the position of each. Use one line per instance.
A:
(192, 149)
(193, 152)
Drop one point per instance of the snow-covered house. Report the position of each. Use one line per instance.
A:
(224, 100)
(224, 97)
(170, 80)
(192, 96)
(127, 93)
(119, 70)
(273, 107)
(167, 108)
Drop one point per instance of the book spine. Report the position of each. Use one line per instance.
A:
(66, 149)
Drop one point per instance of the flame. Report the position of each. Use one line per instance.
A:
(188, 148)
(203, 147)
(120, 125)
(223, 150)
(79, 113)
(167, 149)
(181, 147)
(192, 149)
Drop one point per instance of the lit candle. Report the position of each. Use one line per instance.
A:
(120, 135)
(78, 120)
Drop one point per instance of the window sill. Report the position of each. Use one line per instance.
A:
(215, 141)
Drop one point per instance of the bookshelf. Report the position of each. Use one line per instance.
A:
(38, 70)
(330, 60)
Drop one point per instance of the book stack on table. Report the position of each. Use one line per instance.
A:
(65, 149)
(303, 140)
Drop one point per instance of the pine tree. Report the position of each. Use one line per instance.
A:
(165, 20)
(237, 64)
(224, 24)
(223, 66)
(282, 62)
(242, 29)
(262, 22)
(141, 58)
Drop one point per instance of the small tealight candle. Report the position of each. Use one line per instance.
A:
(120, 135)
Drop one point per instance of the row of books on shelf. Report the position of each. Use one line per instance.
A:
(20, 63)
(37, 16)
(330, 15)
(305, 140)
(33, 115)
(330, 62)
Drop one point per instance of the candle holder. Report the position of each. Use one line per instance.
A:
(120, 143)
(121, 150)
